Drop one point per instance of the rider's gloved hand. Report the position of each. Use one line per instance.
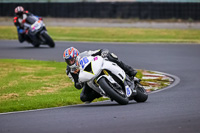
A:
(104, 53)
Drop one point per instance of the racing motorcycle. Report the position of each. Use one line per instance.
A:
(37, 32)
(109, 80)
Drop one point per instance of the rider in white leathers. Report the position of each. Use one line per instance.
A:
(72, 54)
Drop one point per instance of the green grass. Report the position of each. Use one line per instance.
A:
(34, 84)
(29, 84)
(113, 34)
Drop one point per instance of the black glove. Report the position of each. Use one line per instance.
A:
(78, 85)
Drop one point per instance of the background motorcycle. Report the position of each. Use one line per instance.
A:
(37, 32)
(109, 80)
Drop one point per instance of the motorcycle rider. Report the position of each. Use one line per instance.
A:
(71, 54)
(19, 20)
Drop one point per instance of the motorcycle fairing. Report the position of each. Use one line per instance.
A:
(89, 67)
(98, 64)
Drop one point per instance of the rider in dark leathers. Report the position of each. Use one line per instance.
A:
(88, 94)
(19, 21)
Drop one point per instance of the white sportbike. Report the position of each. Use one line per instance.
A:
(109, 80)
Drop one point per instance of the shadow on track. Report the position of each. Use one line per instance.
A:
(31, 47)
(103, 104)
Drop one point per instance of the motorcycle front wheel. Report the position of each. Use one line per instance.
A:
(48, 39)
(114, 95)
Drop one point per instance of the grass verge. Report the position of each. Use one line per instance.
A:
(29, 84)
(34, 84)
(113, 34)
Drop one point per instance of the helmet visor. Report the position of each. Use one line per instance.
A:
(70, 61)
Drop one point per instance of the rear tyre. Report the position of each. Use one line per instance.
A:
(114, 95)
(142, 95)
(48, 39)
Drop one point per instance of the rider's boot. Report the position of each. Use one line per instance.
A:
(21, 37)
(137, 80)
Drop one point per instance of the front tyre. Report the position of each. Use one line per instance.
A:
(48, 39)
(114, 95)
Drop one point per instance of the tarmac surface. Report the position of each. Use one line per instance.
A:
(174, 110)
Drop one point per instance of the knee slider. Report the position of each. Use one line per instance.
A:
(83, 98)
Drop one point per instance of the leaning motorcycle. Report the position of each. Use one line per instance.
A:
(37, 32)
(109, 80)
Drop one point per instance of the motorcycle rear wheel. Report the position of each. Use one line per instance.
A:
(142, 95)
(114, 95)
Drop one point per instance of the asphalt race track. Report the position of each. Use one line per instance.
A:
(174, 110)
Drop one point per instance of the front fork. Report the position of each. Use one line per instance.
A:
(40, 35)
(128, 85)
